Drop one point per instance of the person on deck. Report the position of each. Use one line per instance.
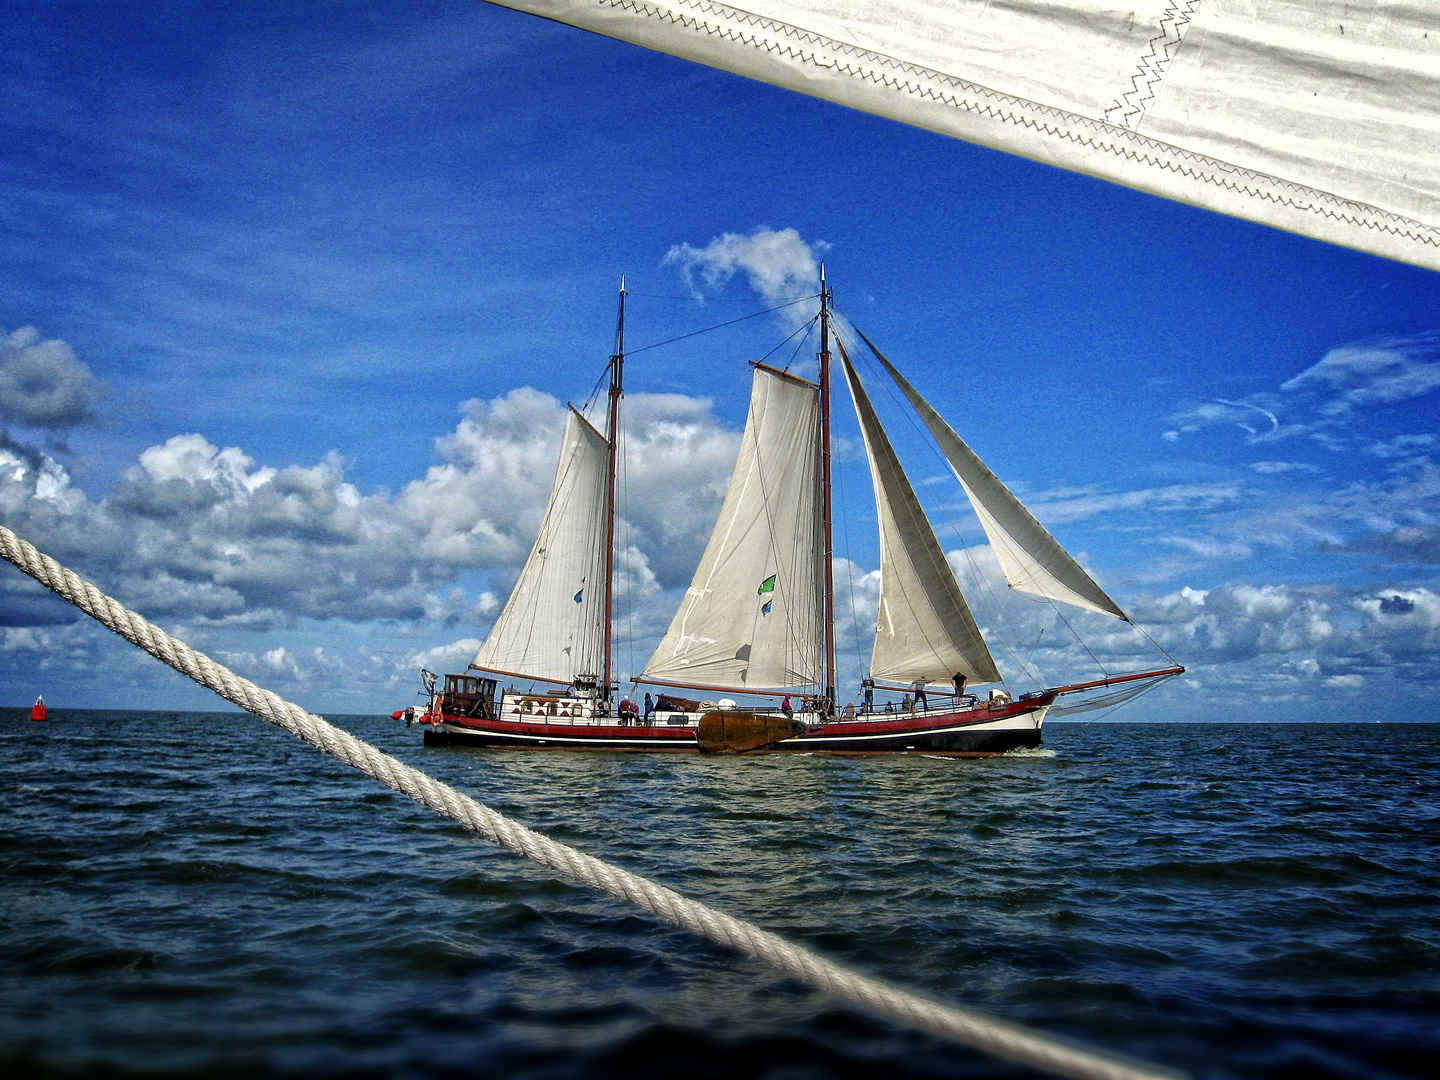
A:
(649, 707)
(785, 707)
(959, 680)
(919, 687)
(867, 687)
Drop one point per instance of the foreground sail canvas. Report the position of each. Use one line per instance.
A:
(758, 616)
(1321, 117)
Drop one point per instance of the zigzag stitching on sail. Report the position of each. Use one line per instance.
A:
(1015, 111)
(1153, 65)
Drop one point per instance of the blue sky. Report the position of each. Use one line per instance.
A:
(373, 251)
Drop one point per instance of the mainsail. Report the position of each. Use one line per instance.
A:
(553, 625)
(924, 626)
(753, 617)
(1032, 559)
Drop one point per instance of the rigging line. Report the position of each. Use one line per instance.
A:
(946, 639)
(1081, 640)
(982, 588)
(623, 436)
(719, 326)
(594, 395)
(929, 443)
(1158, 647)
(806, 328)
(850, 575)
(799, 344)
(719, 299)
(1038, 638)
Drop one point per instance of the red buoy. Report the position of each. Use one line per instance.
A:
(39, 712)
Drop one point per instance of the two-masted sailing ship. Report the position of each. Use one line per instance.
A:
(758, 617)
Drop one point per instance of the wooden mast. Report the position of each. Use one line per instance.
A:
(612, 433)
(829, 544)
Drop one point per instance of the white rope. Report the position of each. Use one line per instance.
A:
(989, 1034)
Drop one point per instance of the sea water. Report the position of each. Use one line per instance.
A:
(201, 894)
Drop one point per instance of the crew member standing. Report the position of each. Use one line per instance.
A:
(867, 685)
(919, 687)
(959, 680)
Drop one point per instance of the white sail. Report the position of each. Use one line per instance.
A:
(1032, 559)
(1319, 117)
(924, 626)
(553, 625)
(753, 617)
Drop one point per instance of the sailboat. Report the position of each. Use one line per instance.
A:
(759, 616)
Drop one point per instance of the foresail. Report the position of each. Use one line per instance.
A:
(924, 625)
(753, 615)
(1032, 560)
(553, 625)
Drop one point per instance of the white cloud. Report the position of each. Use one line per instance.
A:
(1324, 397)
(442, 658)
(1077, 504)
(44, 385)
(1247, 416)
(201, 533)
(1273, 468)
(777, 263)
(1402, 446)
(1372, 373)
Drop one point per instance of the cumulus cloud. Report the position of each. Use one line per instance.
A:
(201, 533)
(1270, 634)
(44, 385)
(778, 265)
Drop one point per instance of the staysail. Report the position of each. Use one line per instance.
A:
(924, 626)
(753, 617)
(553, 625)
(1032, 560)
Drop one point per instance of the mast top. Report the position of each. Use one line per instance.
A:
(622, 284)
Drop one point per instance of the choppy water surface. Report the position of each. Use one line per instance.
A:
(200, 894)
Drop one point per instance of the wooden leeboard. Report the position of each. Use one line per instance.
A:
(736, 732)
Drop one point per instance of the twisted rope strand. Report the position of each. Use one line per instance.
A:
(1001, 1038)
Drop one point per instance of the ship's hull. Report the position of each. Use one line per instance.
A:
(973, 732)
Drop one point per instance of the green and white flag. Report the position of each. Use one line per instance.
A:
(768, 585)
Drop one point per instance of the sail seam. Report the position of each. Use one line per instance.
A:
(1154, 65)
(1103, 136)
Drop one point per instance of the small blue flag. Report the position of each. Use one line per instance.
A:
(766, 609)
(579, 596)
